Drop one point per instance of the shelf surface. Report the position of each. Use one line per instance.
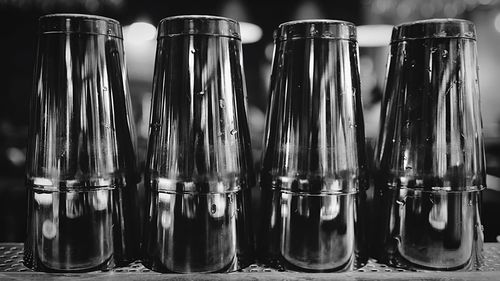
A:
(12, 268)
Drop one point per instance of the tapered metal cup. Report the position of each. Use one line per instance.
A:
(199, 166)
(81, 168)
(430, 155)
(313, 177)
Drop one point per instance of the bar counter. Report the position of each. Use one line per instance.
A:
(12, 268)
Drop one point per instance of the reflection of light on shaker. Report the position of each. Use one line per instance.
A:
(188, 207)
(74, 207)
(331, 208)
(285, 204)
(438, 216)
(217, 205)
(163, 198)
(100, 200)
(44, 199)
(49, 230)
(302, 206)
(166, 219)
(166, 215)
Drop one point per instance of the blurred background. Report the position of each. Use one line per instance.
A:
(259, 18)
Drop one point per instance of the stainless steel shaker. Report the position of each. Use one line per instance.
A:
(199, 169)
(81, 169)
(313, 176)
(430, 155)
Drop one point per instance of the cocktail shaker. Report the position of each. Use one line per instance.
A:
(430, 154)
(81, 167)
(199, 168)
(313, 176)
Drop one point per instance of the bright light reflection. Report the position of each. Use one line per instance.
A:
(374, 35)
(139, 32)
(250, 33)
(497, 22)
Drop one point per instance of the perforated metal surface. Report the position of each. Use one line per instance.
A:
(11, 260)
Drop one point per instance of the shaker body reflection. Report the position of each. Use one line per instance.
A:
(199, 168)
(313, 179)
(430, 156)
(81, 171)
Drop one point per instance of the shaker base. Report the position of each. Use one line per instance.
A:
(202, 233)
(311, 233)
(75, 231)
(432, 230)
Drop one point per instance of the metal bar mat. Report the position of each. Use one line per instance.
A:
(11, 260)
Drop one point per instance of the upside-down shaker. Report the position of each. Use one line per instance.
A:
(81, 165)
(199, 169)
(430, 156)
(313, 177)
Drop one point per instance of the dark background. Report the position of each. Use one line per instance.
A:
(18, 31)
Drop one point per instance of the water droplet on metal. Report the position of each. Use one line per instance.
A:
(449, 89)
(221, 103)
(201, 93)
(193, 51)
(213, 208)
(313, 30)
(444, 54)
(442, 33)
(155, 126)
(397, 239)
(412, 63)
(104, 89)
(470, 203)
(233, 132)
(408, 168)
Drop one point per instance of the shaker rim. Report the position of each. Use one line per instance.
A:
(199, 25)
(316, 28)
(76, 15)
(198, 17)
(434, 29)
(79, 23)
